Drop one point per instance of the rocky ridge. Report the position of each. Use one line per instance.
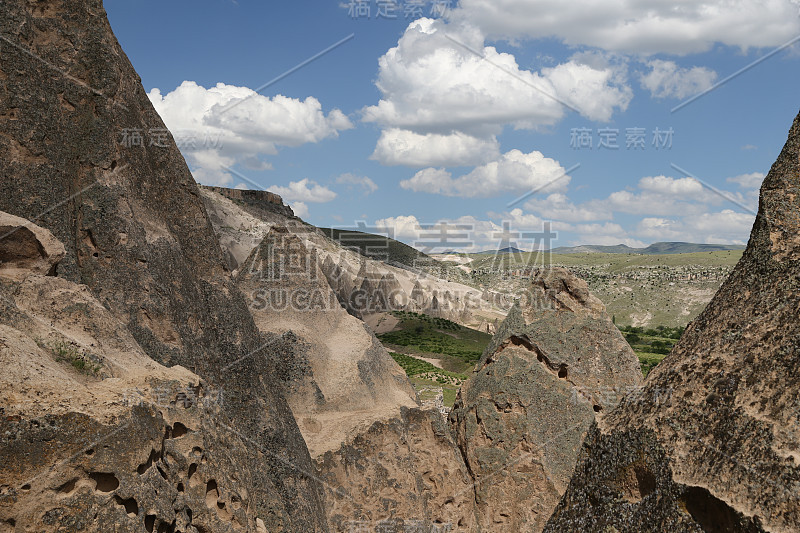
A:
(556, 363)
(712, 443)
(70, 104)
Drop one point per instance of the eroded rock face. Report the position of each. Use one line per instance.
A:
(96, 436)
(403, 474)
(716, 429)
(344, 379)
(363, 285)
(555, 364)
(26, 248)
(84, 155)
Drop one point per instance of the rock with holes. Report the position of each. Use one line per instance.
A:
(96, 436)
(84, 154)
(712, 442)
(403, 474)
(556, 363)
(26, 248)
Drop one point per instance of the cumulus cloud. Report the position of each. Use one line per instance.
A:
(514, 171)
(664, 195)
(466, 233)
(558, 207)
(679, 209)
(748, 181)
(405, 227)
(304, 190)
(446, 95)
(300, 209)
(637, 26)
(667, 80)
(362, 182)
(403, 147)
(723, 227)
(430, 83)
(225, 125)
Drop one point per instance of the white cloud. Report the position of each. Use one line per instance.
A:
(748, 181)
(723, 227)
(443, 105)
(225, 125)
(514, 171)
(363, 182)
(664, 195)
(304, 190)
(667, 80)
(403, 147)
(607, 234)
(300, 209)
(637, 26)
(401, 227)
(463, 234)
(558, 207)
(430, 83)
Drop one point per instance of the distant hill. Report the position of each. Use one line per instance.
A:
(379, 247)
(507, 250)
(657, 248)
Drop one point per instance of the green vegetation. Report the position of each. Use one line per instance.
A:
(416, 367)
(436, 337)
(651, 345)
(426, 388)
(457, 347)
(70, 353)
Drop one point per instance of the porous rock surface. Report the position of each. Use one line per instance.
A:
(556, 363)
(712, 442)
(96, 436)
(84, 155)
(403, 474)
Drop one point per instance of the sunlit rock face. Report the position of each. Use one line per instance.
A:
(555, 364)
(84, 155)
(712, 443)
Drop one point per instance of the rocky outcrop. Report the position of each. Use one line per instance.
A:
(259, 203)
(242, 218)
(712, 442)
(342, 379)
(84, 155)
(555, 364)
(403, 474)
(364, 286)
(26, 249)
(96, 436)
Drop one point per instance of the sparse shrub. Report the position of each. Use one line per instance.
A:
(70, 353)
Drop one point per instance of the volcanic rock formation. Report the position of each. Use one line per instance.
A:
(342, 378)
(84, 155)
(712, 442)
(403, 474)
(556, 362)
(96, 436)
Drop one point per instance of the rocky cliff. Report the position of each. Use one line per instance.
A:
(84, 155)
(364, 286)
(712, 442)
(342, 378)
(96, 436)
(555, 364)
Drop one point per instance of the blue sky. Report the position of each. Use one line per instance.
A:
(452, 116)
